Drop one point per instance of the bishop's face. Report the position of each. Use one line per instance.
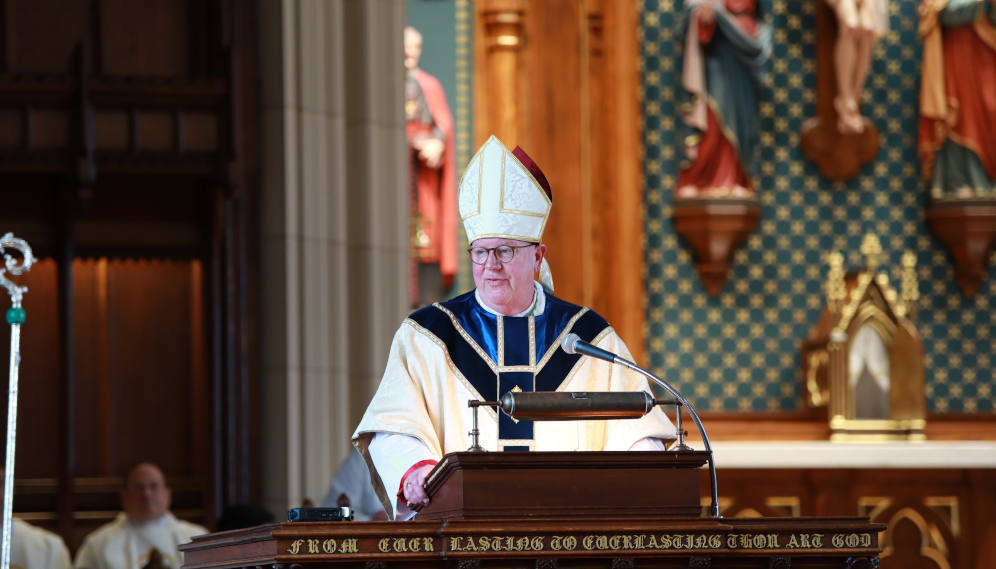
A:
(507, 287)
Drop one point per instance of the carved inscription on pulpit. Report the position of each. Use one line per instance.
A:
(566, 544)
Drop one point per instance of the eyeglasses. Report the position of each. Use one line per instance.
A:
(504, 253)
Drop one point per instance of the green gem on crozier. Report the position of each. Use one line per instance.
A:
(16, 316)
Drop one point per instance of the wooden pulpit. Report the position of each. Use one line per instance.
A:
(546, 510)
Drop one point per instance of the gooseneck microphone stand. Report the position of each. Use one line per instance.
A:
(572, 344)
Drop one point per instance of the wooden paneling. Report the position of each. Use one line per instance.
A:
(41, 34)
(570, 99)
(126, 136)
(936, 518)
(39, 375)
(149, 38)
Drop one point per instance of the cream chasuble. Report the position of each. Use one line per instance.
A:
(449, 353)
(125, 545)
(35, 548)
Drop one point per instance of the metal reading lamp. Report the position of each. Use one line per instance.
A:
(593, 406)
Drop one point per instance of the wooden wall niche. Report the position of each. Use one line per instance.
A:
(967, 227)
(864, 359)
(126, 135)
(560, 79)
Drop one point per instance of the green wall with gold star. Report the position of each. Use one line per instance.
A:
(740, 351)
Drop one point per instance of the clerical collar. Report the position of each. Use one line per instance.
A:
(151, 523)
(535, 309)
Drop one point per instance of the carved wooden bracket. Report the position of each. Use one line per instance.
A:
(968, 229)
(714, 228)
(839, 156)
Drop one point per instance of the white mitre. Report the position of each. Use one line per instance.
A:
(501, 197)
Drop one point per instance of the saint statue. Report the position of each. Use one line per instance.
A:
(432, 161)
(502, 337)
(726, 47)
(860, 24)
(957, 143)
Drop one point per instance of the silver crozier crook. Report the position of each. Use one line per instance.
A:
(15, 317)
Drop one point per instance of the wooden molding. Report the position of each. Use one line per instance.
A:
(968, 229)
(714, 228)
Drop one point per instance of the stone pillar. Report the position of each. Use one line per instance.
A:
(333, 238)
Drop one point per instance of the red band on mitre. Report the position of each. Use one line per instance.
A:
(533, 169)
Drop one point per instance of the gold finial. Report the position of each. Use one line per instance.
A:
(910, 287)
(872, 249)
(836, 289)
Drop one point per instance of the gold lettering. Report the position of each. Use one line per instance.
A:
(455, 544)
(471, 546)
(484, 543)
(413, 544)
(866, 540)
(665, 542)
(614, 542)
(838, 540)
(536, 544)
(348, 546)
(759, 542)
(688, 542)
(589, 542)
(328, 546)
(817, 539)
(638, 544)
(570, 543)
(508, 544)
(555, 542)
(313, 546)
(715, 541)
(522, 544)
(652, 544)
(399, 544)
(852, 540)
(427, 544)
(772, 540)
(602, 542)
(627, 542)
(731, 541)
(295, 547)
(746, 541)
(792, 542)
(384, 545)
(804, 540)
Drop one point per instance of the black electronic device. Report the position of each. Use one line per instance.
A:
(320, 515)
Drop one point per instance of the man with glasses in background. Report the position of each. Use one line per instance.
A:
(503, 336)
(145, 534)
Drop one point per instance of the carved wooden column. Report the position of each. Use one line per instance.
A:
(503, 43)
(968, 229)
(839, 156)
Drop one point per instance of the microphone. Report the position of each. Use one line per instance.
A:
(573, 344)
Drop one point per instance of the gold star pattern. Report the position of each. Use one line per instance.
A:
(739, 352)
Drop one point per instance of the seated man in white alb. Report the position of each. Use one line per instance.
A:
(145, 526)
(504, 336)
(32, 547)
(36, 548)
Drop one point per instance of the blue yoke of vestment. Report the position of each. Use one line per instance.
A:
(498, 354)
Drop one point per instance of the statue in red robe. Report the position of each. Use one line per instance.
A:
(726, 48)
(432, 167)
(957, 143)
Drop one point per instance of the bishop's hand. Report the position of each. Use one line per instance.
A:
(414, 490)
